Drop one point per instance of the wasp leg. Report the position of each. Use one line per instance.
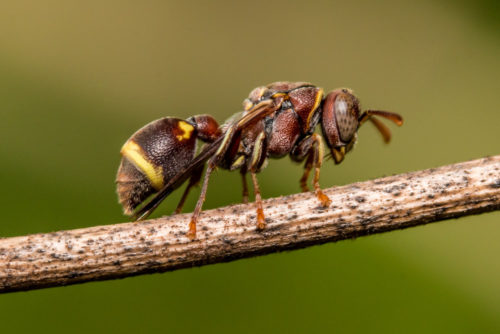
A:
(307, 169)
(193, 181)
(213, 162)
(318, 161)
(201, 199)
(243, 174)
(257, 159)
(261, 220)
(312, 148)
(318, 150)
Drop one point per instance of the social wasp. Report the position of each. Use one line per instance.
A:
(278, 119)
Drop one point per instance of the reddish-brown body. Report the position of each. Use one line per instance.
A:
(278, 119)
(280, 131)
(295, 119)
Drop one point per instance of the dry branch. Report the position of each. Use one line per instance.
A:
(390, 203)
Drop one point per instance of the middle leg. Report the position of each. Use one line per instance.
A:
(257, 159)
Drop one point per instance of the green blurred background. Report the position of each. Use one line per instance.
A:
(77, 78)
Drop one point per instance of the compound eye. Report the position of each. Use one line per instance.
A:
(346, 113)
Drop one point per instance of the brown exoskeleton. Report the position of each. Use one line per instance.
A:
(278, 119)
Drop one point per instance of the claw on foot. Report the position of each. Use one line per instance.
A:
(325, 201)
(192, 230)
(261, 221)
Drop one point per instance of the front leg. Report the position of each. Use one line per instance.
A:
(308, 165)
(311, 147)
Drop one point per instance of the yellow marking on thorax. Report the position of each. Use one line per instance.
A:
(280, 94)
(224, 143)
(135, 154)
(238, 162)
(261, 92)
(247, 104)
(187, 130)
(257, 150)
(317, 101)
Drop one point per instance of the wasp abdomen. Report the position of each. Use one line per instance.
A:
(151, 157)
(133, 186)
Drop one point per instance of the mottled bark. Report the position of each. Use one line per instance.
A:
(224, 234)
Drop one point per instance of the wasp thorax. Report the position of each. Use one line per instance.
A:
(346, 108)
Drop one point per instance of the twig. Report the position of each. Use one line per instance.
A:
(224, 234)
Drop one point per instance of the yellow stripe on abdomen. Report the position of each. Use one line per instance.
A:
(135, 154)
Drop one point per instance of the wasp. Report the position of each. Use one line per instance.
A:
(278, 120)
